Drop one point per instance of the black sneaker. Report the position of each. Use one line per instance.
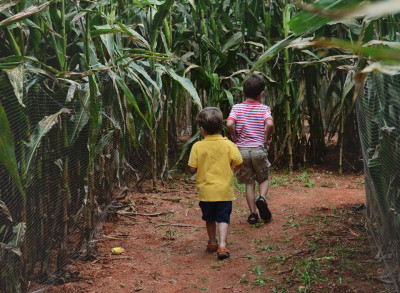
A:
(262, 206)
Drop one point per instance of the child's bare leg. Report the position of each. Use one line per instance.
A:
(212, 232)
(250, 197)
(264, 188)
(223, 232)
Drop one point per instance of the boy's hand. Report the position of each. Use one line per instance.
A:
(269, 127)
(266, 144)
(235, 168)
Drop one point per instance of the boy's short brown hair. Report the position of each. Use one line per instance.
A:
(253, 86)
(211, 119)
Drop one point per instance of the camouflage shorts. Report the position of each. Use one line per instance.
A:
(255, 165)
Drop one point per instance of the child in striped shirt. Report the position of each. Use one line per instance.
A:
(250, 125)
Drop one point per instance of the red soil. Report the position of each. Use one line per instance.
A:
(318, 225)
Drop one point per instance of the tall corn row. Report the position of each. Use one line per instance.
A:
(50, 210)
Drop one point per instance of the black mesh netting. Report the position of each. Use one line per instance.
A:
(378, 111)
(68, 174)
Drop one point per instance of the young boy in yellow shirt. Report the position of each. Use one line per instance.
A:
(215, 159)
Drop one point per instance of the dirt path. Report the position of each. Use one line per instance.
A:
(316, 242)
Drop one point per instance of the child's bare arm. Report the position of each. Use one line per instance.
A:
(192, 169)
(269, 127)
(230, 124)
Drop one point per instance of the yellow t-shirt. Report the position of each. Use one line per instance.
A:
(213, 157)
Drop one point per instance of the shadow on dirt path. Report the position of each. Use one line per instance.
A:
(316, 242)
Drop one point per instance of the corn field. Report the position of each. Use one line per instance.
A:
(94, 94)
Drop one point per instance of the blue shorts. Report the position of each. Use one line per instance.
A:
(218, 211)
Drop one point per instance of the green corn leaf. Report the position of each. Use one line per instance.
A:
(147, 52)
(104, 141)
(130, 124)
(235, 40)
(11, 62)
(200, 71)
(145, 74)
(95, 114)
(133, 35)
(12, 59)
(7, 154)
(131, 98)
(107, 39)
(158, 19)
(271, 52)
(16, 77)
(226, 20)
(245, 57)
(137, 56)
(308, 52)
(229, 96)
(353, 25)
(374, 49)
(41, 129)
(39, 71)
(71, 90)
(186, 83)
(103, 30)
(307, 22)
(139, 4)
(146, 92)
(168, 33)
(36, 61)
(348, 84)
(153, 2)
(344, 10)
(81, 117)
(206, 41)
(9, 65)
(18, 235)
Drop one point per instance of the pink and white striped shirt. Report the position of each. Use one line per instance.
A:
(250, 118)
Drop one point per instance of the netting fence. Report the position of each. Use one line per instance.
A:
(69, 177)
(378, 111)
